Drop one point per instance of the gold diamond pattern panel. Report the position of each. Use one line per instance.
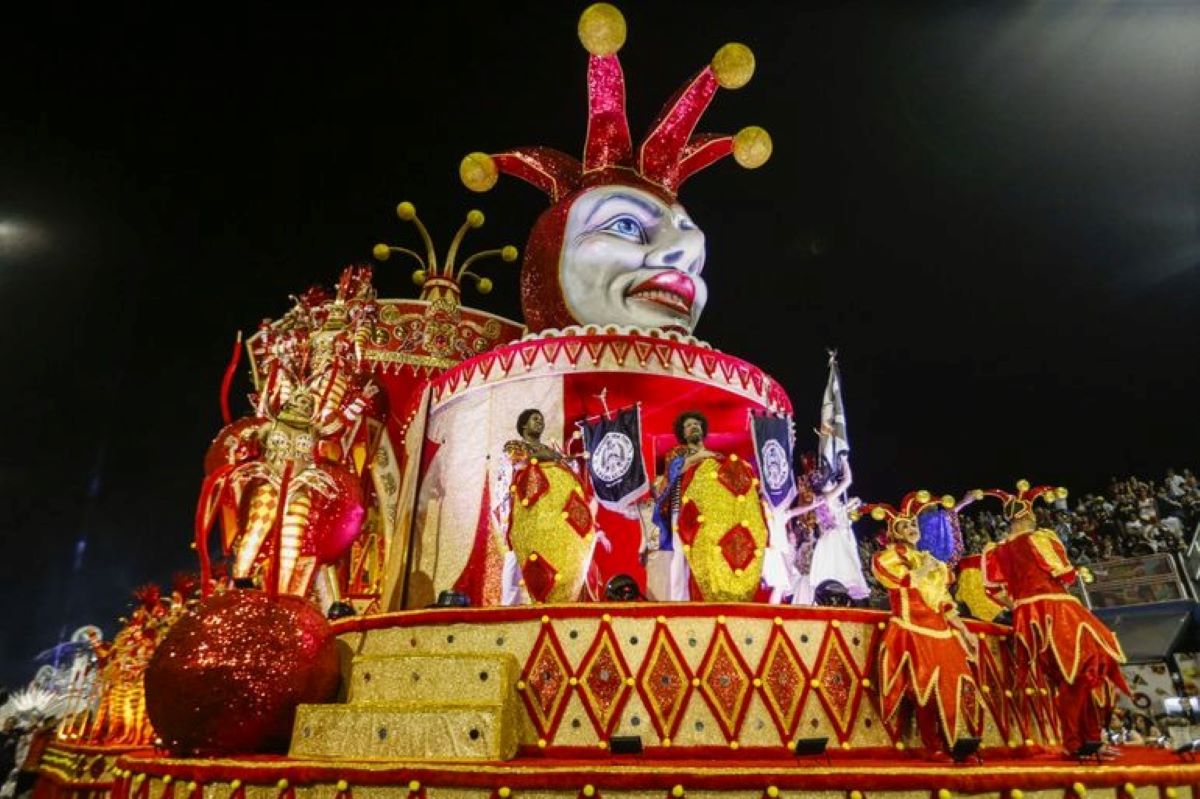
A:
(702, 675)
(605, 682)
(837, 682)
(665, 682)
(783, 681)
(725, 681)
(546, 682)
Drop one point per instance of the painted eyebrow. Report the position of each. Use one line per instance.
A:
(649, 209)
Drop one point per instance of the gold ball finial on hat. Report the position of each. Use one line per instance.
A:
(733, 65)
(752, 147)
(602, 29)
(478, 172)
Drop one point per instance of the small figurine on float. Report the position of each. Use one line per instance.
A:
(548, 519)
(615, 248)
(926, 653)
(1058, 639)
(284, 480)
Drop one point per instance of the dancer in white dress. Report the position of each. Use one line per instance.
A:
(835, 554)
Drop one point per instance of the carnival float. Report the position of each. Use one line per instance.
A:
(449, 554)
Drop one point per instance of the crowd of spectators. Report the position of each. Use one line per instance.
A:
(1133, 517)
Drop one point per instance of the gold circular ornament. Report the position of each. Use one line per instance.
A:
(602, 29)
(733, 65)
(478, 172)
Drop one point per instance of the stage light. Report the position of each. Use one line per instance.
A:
(625, 744)
(622, 588)
(964, 748)
(810, 747)
(832, 594)
(1089, 749)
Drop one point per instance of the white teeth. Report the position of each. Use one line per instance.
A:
(667, 298)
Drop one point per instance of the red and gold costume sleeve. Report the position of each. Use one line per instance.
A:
(1051, 556)
(891, 569)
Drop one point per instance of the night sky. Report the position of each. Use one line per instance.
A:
(989, 209)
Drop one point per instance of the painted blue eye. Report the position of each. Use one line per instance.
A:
(627, 227)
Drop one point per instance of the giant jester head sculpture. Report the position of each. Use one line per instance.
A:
(614, 247)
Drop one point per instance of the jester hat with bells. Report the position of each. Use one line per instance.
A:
(913, 504)
(668, 155)
(1021, 503)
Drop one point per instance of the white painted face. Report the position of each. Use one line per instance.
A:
(630, 259)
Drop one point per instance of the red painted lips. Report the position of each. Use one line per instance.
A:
(671, 289)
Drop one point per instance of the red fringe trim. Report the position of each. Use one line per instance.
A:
(168, 791)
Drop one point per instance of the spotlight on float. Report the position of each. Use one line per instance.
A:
(452, 599)
(1088, 749)
(811, 747)
(622, 588)
(625, 744)
(965, 748)
(832, 594)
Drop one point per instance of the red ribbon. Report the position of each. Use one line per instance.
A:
(227, 380)
(205, 516)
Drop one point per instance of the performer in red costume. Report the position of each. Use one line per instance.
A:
(1058, 639)
(926, 653)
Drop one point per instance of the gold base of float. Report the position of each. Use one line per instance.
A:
(427, 707)
(1144, 774)
(718, 694)
(684, 677)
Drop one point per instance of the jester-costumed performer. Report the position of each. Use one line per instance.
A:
(1058, 639)
(926, 654)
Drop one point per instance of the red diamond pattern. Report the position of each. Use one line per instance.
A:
(531, 484)
(603, 682)
(547, 682)
(725, 682)
(665, 682)
(579, 516)
(784, 682)
(538, 574)
(837, 683)
(689, 522)
(737, 546)
(736, 475)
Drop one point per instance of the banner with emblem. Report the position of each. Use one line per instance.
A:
(773, 449)
(615, 464)
(834, 442)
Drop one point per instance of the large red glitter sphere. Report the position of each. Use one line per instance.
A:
(229, 675)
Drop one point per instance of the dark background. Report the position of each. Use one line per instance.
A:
(989, 208)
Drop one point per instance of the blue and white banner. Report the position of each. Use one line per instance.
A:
(615, 464)
(773, 450)
(833, 441)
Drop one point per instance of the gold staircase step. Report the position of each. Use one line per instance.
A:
(447, 678)
(417, 706)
